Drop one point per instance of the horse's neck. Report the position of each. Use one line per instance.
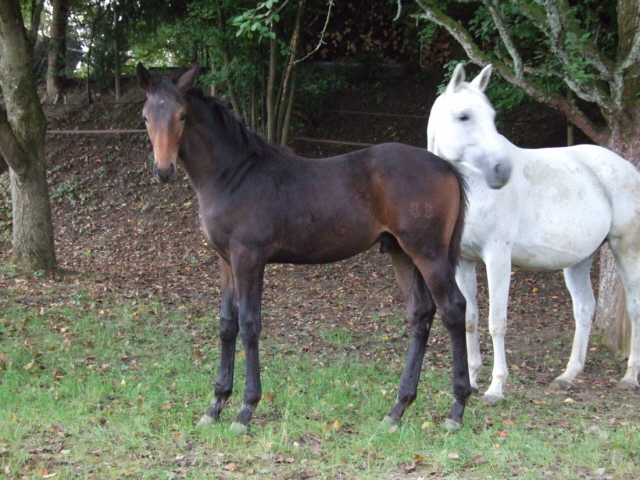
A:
(207, 150)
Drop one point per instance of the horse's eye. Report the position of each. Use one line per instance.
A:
(183, 116)
(464, 117)
(145, 119)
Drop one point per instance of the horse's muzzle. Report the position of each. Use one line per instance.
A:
(499, 174)
(164, 175)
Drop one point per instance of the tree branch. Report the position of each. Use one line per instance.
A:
(10, 147)
(527, 84)
(505, 36)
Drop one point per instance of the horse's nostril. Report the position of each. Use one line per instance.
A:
(164, 175)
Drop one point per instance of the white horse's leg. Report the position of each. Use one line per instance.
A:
(468, 284)
(578, 280)
(499, 277)
(628, 260)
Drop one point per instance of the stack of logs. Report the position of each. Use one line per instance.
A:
(367, 27)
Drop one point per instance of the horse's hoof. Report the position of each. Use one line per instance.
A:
(475, 390)
(205, 421)
(560, 384)
(386, 421)
(627, 385)
(451, 425)
(239, 428)
(492, 400)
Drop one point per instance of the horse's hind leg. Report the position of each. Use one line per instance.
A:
(420, 311)
(627, 257)
(440, 279)
(228, 334)
(578, 282)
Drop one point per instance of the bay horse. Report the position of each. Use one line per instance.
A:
(260, 204)
(559, 207)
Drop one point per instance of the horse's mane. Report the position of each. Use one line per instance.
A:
(236, 130)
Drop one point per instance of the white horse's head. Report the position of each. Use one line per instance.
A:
(461, 128)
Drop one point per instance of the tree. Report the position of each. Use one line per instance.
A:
(22, 138)
(57, 75)
(548, 48)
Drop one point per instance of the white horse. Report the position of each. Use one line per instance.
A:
(559, 206)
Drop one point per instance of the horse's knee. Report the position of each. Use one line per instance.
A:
(228, 329)
(498, 329)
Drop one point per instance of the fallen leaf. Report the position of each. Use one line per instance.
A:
(231, 467)
(538, 402)
(411, 468)
(453, 455)
(569, 400)
(503, 434)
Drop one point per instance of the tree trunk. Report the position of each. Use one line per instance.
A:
(56, 74)
(34, 25)
(226, 56)
(611, 318)
(284, 94)
(116, 52)
(287, 118)
(270, 100)
(22, 137)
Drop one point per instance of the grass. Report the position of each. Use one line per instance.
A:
(93, 389)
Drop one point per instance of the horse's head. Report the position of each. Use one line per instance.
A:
(461, 128)
(164, 114)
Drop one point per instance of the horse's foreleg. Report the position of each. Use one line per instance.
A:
(228, 334)
(467, 282)
(578, 282)
(420, 311)
(498, 276)
(248, 271)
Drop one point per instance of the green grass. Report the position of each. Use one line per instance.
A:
(94, 390)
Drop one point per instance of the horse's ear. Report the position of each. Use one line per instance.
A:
(482, 80)
(185, 83)
(456, 79)
(144, 77)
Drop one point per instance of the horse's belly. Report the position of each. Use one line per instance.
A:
(542, 257)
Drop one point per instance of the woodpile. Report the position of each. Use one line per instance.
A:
(437, 52)
(360, 28)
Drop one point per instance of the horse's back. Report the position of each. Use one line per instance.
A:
(571, 200)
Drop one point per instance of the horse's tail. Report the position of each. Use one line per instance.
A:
(456, 238)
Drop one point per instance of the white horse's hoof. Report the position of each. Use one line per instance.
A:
(492, 400)
(627, 385)
(560, 384)
(239, 428)
(205, 421)
(452, 425)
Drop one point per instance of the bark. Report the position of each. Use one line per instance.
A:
(22, 139)
(612, 88)
(116, 52)
(226, 57)
(270, 100)
(284, 95)
(36, 16)
(57, 80)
